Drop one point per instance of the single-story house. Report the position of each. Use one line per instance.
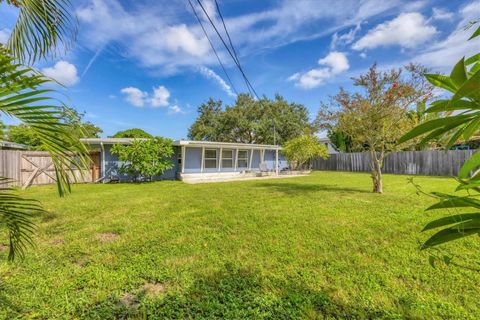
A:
(195, 160)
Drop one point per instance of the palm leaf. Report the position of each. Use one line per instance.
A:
(16, 215)
(41, 28)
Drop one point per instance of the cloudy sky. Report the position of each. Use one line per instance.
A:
(149, 65)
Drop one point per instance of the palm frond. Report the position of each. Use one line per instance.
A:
(16, 215)
(21, 98)
(41, 28)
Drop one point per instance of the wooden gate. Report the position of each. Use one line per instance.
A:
(28, 168)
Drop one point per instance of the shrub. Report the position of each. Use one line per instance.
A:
(300, 151)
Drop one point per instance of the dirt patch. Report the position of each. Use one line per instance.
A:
(3, 247)
(57, 242)
(153, 290)
(107, 236)
(82, 261)
(129, 300)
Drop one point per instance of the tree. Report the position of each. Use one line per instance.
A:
(42, 27)
(21, 98)
(460, 122)
(341, 141)
(39, 30)
(145, 158)
(132, 133)
(250, 121)
(302, 150)
(378, 117)
(72, 120)
(207, 125)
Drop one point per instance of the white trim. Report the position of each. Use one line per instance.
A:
(220, 160)
(236, 158)
(276, 162)
(183, 159)
(202, 159)
(250, 161)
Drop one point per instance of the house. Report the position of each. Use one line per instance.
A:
(195, 160)
(330, 148)
(8, 145)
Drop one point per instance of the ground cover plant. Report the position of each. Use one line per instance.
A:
(305, 247)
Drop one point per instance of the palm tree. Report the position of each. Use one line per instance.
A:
(41, 28)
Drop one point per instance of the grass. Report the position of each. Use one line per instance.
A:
(311, 247)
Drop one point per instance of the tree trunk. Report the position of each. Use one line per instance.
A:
(376, 167)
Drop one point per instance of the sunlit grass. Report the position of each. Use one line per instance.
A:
(308, 247)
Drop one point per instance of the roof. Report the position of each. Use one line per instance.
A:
(12, 145)
(108, 141)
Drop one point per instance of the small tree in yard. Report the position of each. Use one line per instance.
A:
(302, 150)
(145, 158)
(376, 119)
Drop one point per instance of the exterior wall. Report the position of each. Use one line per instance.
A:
(193, 163)
(111, 164)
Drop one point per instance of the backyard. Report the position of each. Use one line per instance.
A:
(307, 247)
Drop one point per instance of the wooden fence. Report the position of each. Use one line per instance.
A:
(428, 163)
(27, 168)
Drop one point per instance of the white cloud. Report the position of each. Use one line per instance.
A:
(443, 54)
(4, 35)
(333, 64)
(135, 96)
(363, 55)
(163, 39)
(210, 74)
(175, 109)
(160, 97)
(407, 30)
(63, 72)
(441, 14)
(346, 38)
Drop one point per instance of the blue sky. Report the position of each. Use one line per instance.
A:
(147, 64)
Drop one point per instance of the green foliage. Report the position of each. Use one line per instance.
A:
(250, 121)
(74, 126)
(341, 141)
(460, 123)
(145, 158)
(315, 247)
(21, 98)
(300, 151)
(377, 117)
(41, 28)
(132, 133)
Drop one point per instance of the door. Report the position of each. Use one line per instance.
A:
(95, 166)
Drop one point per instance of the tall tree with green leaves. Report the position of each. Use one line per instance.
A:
(42, 27)
(251, 121)
(460, 122)
(377, 117)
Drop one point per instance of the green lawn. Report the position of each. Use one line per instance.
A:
(307, 247)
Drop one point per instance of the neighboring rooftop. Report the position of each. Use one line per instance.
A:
(106, 141)
(12, 145)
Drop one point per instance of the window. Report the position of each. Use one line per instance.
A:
(210, 158)
(242, 161)
(179, 157)
(227, 158)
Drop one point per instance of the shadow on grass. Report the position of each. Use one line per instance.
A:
(296, 188)
(234, 293)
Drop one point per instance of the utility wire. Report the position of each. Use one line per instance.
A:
(226, 31)
(247, 82)
(213, 48)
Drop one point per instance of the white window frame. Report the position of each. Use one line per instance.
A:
(205, 159)
(243, 159)
(227, 158)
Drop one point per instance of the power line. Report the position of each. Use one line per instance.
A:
(213, 48)
(249, 86)
(226, 31)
